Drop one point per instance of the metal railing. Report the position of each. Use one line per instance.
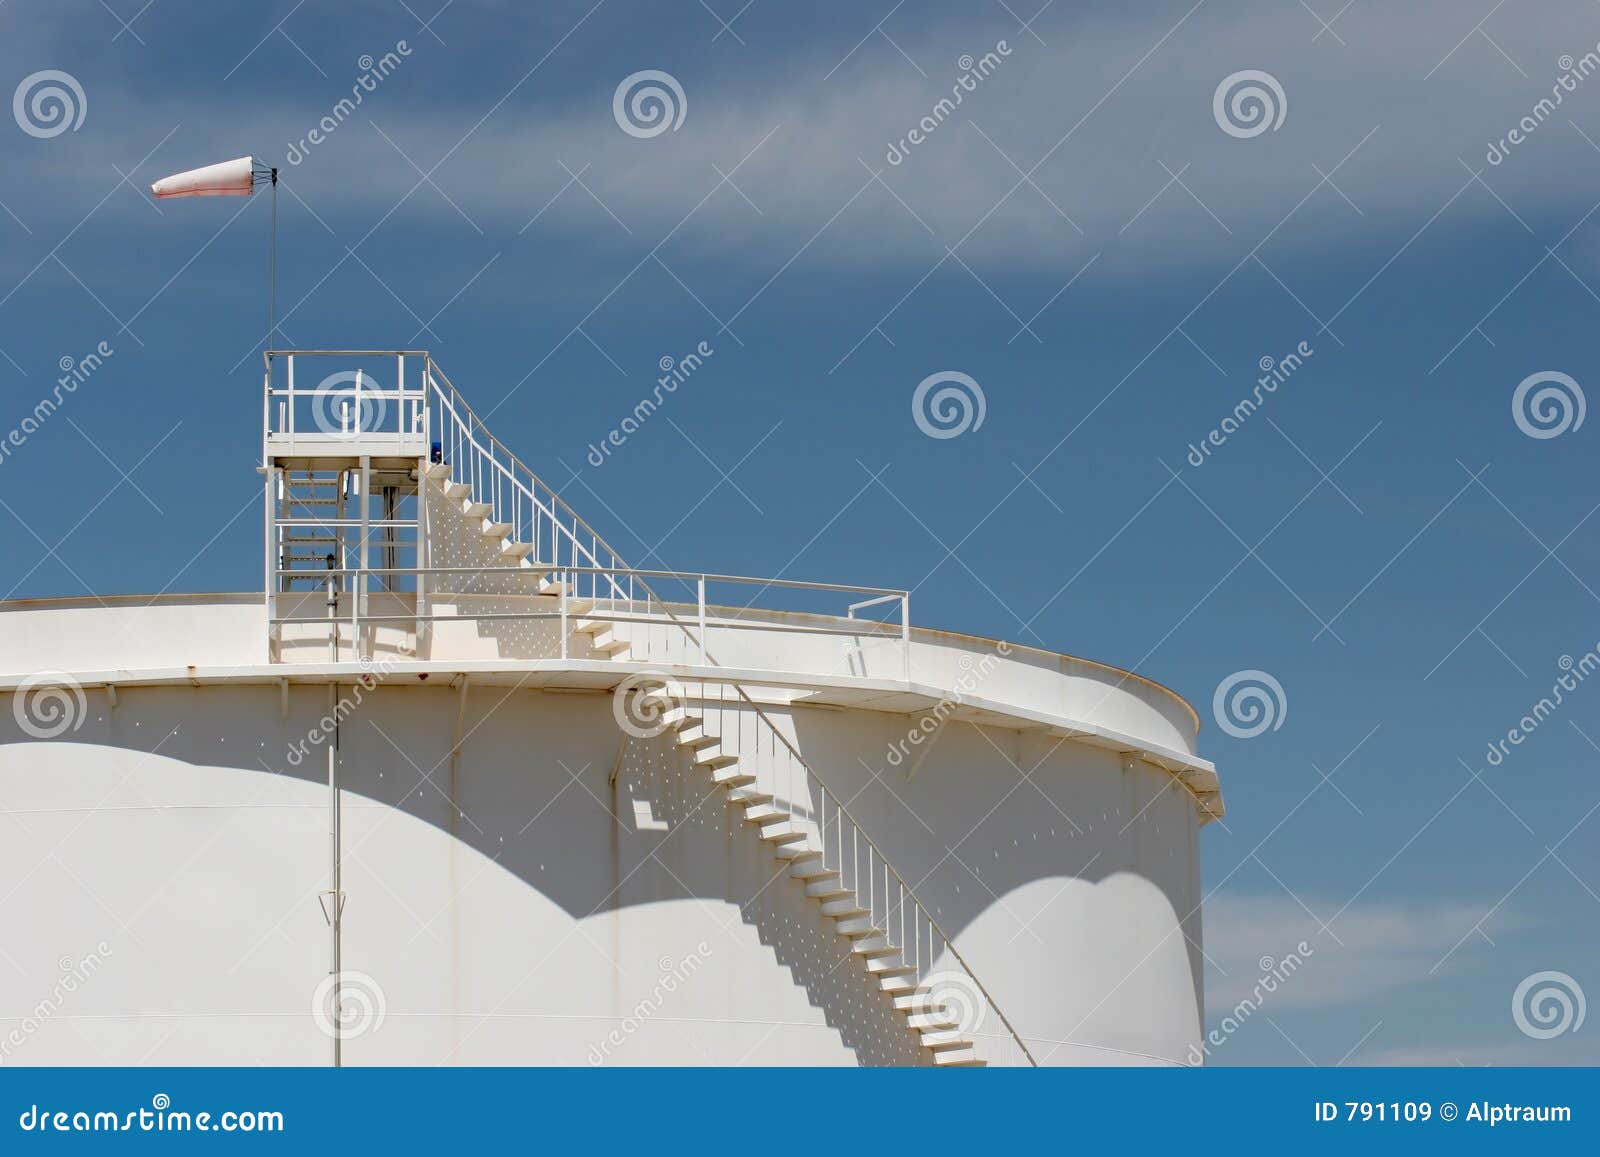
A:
(347, 404)
(606, 588)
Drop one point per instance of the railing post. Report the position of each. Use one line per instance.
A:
(360, 601)
(905, 634)
(702, 603)
(564, 586)
(271, 497)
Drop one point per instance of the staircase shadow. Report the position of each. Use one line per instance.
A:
(525, 755)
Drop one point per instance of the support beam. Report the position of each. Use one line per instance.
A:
(333, 901)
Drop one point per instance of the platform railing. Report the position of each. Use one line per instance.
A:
(320, 396)
(588, 569)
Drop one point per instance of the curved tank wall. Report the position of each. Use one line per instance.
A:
(560, 891)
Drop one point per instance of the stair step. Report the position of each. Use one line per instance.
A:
(695, 735)
(476, 509)
(959, 1058)
(917, 999)
(744, 797)
(714, 757)
(609, 645)
(783, 833)
(438, 471)
(762, 813)
(848, 908)
(860, 930)
(550, 586)
(899, 984)
(940, 1021)
(456, 490)
(796, 852)
(874, 951)
(731, 776)
(496, 529)
(823, 883)
(516, 550)
(681, 717)
(886, 966)
(940, 1039)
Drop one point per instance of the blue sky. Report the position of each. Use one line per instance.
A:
(1081, 236)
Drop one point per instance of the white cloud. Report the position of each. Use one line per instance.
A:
(1112, 137)
(1107, 133)
(1380, 947)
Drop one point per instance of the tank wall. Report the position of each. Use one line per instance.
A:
(522, 904)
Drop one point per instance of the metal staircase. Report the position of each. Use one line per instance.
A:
(612, 611)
